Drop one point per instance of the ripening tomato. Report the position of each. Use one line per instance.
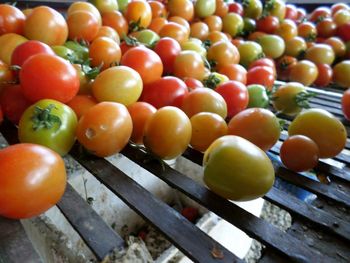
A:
(216, 36)
(228, 169)
(232, 24)
(283, 65)
(304, 72)
(214, 23)
(323, 128)
(221, 8)
(12, 19)
(308, 31)
(253, 9)
(291, 12)
(249, 51)
(6, 74)
(223, 53)
(199, 30)
(273, 46)
(180, 21)
(82, 25)
(204, 8)
(145, 61)
(118, 84)
(28, 49)
(189, 64)
(341, 73)
(175, 31)
(105, 128)
(320, 54)
(206, 128)
(104, 52)
(166, 91)
(193, 83)
(157, 24)
(158, 9)
(107, 31)
(46, 25)
(287, 29)
(262, 75)
(325, 75)
(295, 47)
(299, 153)
(235, 95)
(85, 6)
(326, 28)
(13, 102)
(81, 103)
(234, 72)
(321, 12)
(341, 17)
(40, 81)
(183, 8)
(140, 113)
(166, 126)
(117, 21)
(8, 43)
(338, 46)
(139, 14)
(267, 24)
(31, 172)
(195, 45)
(105, 5)
(204, 100)
(257, 125)
(345, 102)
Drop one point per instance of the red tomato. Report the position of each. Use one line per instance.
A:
(45, 76)
(13, 103)
(82, 25)
(12, 19)
(81, 103)
(267, 24)
(234, 72)
(236, 8)
(284, 64)
(30, 172)
(104, 51)
(320, 12)
(291, 12)
(326, 28)
(264, 62)
(167, 49)
(262, 75)
(166, 91)
(325, 75)
(141, 113)
(345, 102)
(343, 32)
(28, 49)
(117, 21)
(193, 83)
(235, 95)
(145, 61)
(6, 74)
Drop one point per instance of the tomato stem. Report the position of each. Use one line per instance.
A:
(43, 118)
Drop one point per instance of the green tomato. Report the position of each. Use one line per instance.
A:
(64, 52)
(249, 51)
(204, 8)
(252, 8)
(258, 97)
(193, 44)
(232, 24)
(236, 169)
(273, 46)
(122, 4)
(82, 52)
(147, 37)
(49, 123)
(249, 25)
(105, 5)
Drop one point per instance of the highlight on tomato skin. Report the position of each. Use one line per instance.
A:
(34, 173)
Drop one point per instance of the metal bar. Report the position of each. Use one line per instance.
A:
(15, 246)
(197, 245)
(96, 233)
(253, 226)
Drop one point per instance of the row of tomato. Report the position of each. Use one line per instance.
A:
(113, 88)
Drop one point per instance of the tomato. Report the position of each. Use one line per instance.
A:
(287, 29)
(183, 8)
(199, 30)
(235, 95)
(320, 13)
(175, 31)
(308, 31)
(221, 8)
(341, 73)
(326, 28)
(45, 76)
(6, 74)
(323, 128)
(204, 100)
(223, 53)
(343, 31)
(85, 6)
(232, 24)
(216, 36)
(341, 17)
(28, 49)
(166, 126)
(295, 47)
(117, 21)
(167, 49)
(82, 25)
(105, 5)
(235, 8)
(139, 14)
(299, 153)
(157, 24)
(267, 24)
(249, 51)
(304, 72)
(13, 103)
(204, 8)
(107, 31)
(277, 9)
(80, 51)
(234, 72)
(284, 64)
(206, 128)
(252, 8)
(338, 6)
(196, 45)
(262, 75)
(320, 54)
(49, 123)
(141, 113)
(118, 84)
(291, 12)
(158, 9)
(264, 62)
(229, 173)
(338, 46)
(180, 21)
(12, 20)
(285, 98)
(325, 75)
(105, 128)
(345, 102)
(166, 91)
(31, 172)
(257, 96)
(8, 43)
(104, 52)
(189, 64)
(145, 61)
(81, 103)
(301, 14)
(273, 46)
(46, 25)
(192, 83)
(257, 125)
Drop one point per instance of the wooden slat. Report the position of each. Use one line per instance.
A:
(194, 243)
(253, 226)
(15, 246)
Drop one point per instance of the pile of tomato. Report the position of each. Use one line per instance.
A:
(166, 75)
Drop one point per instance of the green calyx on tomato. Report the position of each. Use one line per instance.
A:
(43, 118)
(212, 81)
